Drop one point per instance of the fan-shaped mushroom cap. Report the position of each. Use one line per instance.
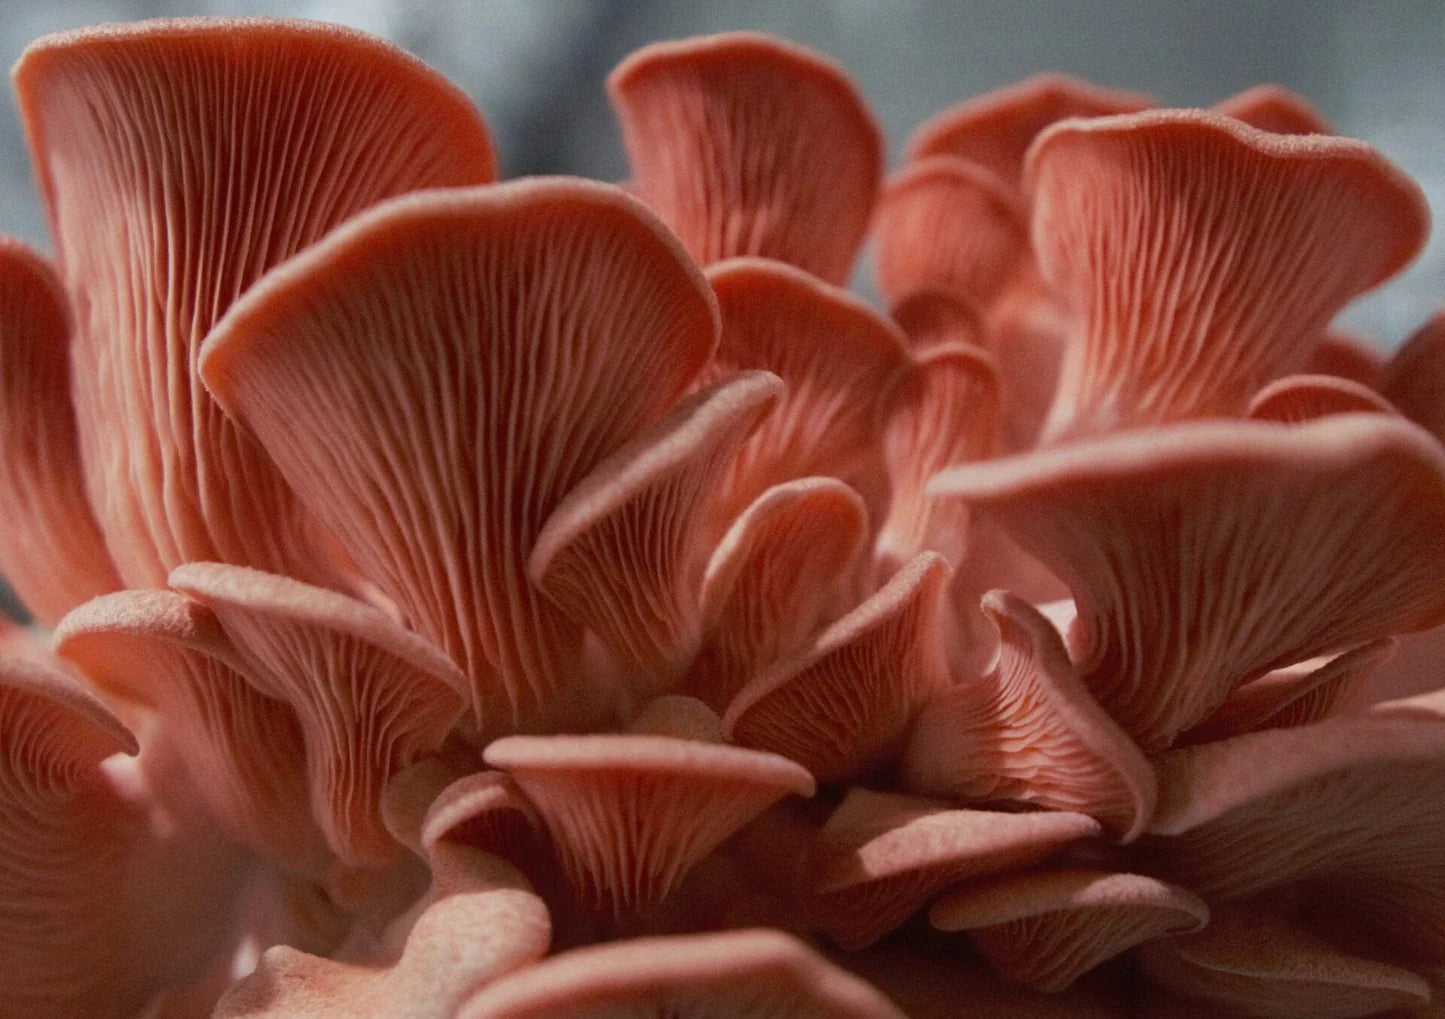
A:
(996, 128)
(243, 751)
(1203, 555)
(1414, 379)
(65, 845)
(1348, 357)
(630, 814)
(371, 696)
(832, 350)
(1275, 108)
(1349, 802)
(949, 224)
(751, 972)
(778, 573)
(1265, 967)
(479, 921)
(487, 812)
(727, 134)
(935, 315)
(51, 549)
(1296, 398)
(943, 408)
(236, 143)
(1204, 256)
(1295, 695)
(881, 856)
(625, 551)
(1030, 731)
(1047, 929)
(843, 705)
(546, 322)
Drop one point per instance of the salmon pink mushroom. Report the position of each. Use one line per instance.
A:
(371, 697)
(1193, 296)
(782, 569)
(945, 223)
(881, 856)
(1305, 397)
(1348, 357)
(436, 376)
(66, 837)
(833, 352)
(995, 129)
(934, 315)
(843, 704)
(236, 143)
(243, 751)
(630, 814)
(1260, 965)
(1274, 108)
(51, 549)
(1204, 555)
(1029, 731)
(727, 135)
(1047, 929)
(743, 973)
(1414, 378)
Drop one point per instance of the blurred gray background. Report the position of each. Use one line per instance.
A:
(536, 69)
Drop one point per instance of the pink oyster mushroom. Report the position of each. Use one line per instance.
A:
(545, 598)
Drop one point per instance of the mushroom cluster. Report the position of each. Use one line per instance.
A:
(553, 598)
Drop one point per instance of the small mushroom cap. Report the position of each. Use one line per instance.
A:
(881, 856)
(1262, 966)
(996, 128)
(937, 315)
(631, 814)
(949, 224)
(832, 351)
(1048, 929)
(1030, 731)
(726, 134)
(749, 972)
(1275, 108)
(843, 704)
(1414, 379)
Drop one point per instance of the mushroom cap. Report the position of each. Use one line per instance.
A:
(725, 135)
(1193, 297)
(748, 972)
(429, 459)
(631, 814)
(51, 550)
(239, 142)
(1296, 398)
(1274, 108)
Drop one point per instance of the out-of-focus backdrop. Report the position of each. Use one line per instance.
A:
(536, 68)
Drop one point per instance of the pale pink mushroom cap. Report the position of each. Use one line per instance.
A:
(749, 145)
(1276, 109)
(1296, 398)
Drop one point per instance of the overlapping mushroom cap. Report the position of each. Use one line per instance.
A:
(514, 568)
